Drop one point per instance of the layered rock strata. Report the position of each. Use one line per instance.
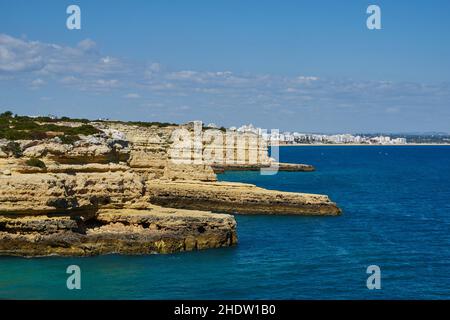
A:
(127, 231)
(238, 198)
(273, 166)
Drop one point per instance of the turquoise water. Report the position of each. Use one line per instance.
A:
(396, 203)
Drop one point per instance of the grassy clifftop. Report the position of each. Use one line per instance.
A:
(39, 128)
(15, 127)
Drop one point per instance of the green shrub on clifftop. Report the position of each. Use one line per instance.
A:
(13, 148)
(69, 139)
(34, 162)
(28, 128)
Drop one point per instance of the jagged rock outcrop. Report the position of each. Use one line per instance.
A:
(271, 166)
(237, 198)
(127, 231)
(97, 148)
(42, 193)
(198, 172)
(150, 154)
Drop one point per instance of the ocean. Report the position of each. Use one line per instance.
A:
(396, 215)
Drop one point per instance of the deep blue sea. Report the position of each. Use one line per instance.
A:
(396, 203)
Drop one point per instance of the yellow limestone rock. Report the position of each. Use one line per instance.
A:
(237, 198)
(124, 231)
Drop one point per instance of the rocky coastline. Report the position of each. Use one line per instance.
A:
(118, 189)
(279, 166)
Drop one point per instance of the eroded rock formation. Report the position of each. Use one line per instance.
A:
(127, 231)
(123, 191)
(237, 198)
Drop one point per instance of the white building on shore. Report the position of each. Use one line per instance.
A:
(306, 138)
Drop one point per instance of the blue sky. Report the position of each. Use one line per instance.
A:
(294, 65)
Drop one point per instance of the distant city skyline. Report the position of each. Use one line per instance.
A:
(307, 66)
(293, 137)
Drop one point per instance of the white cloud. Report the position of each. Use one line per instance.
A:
(22, 58)
(154, 67)
(17, 55)
(132, 96)
(84, 67)
(306, 79)
(87, 45)
(184, 75)
(152, 105)
(102, 84)
(69, 80)
(106, 59)
(36, 83)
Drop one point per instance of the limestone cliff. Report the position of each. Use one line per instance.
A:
(131, 189)
(127, 231)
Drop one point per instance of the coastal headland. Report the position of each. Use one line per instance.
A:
(79, 187)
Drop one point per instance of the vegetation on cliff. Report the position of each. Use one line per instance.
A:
(142, 123)
(39, 128)
(34, 162)
(15, 127)
(12, 148)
